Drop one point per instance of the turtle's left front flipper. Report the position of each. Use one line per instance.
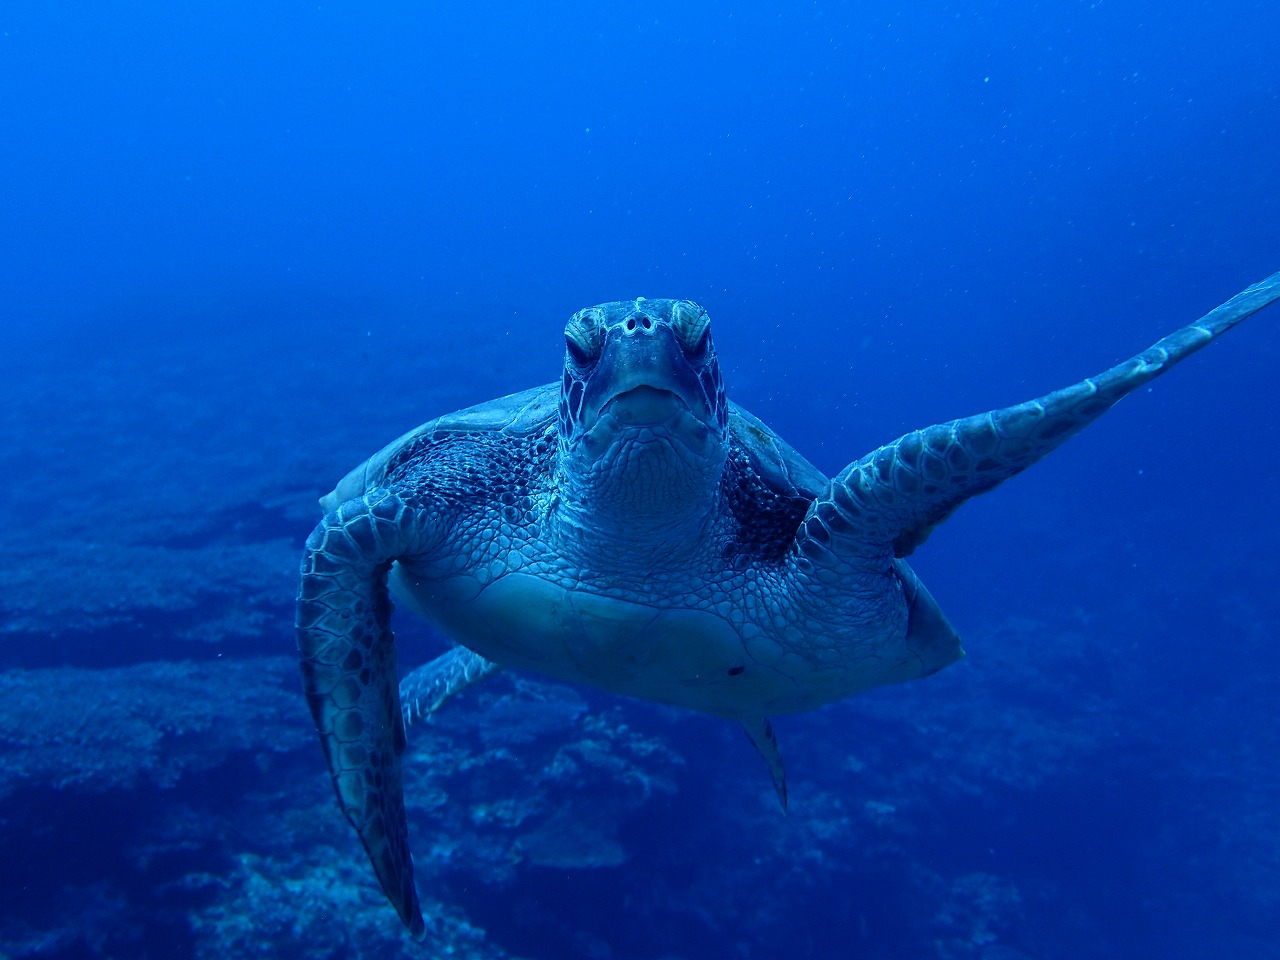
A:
(348, 661)
(896, 495)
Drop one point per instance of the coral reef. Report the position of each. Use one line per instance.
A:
(149, 724)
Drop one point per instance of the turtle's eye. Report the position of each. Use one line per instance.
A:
(583, 337)
(692, 328)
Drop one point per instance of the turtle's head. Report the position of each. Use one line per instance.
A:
(643, 415)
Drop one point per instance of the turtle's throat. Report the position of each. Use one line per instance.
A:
(647, 495)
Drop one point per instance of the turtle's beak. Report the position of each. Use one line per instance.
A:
(645, 405)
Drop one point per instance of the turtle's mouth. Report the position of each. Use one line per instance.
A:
(645, 405)
(645, 414)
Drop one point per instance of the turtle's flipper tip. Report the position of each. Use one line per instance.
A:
(389, 855)
(417, 928)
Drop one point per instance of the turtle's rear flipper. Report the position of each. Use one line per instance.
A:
(424, 690)
(896, 495)
(348, 664)
(760, 730)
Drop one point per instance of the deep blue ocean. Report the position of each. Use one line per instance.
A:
(244, 245)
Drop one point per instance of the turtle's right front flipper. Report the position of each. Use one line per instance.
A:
(348, 662)
(888, 502)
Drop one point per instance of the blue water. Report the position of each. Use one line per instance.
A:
(242, 246)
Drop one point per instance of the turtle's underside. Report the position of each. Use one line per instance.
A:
(629, 528)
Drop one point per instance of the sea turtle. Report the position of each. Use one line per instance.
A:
(629, 528)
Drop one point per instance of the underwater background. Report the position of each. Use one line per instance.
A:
(244, 245)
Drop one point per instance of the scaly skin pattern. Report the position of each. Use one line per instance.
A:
(638, 538)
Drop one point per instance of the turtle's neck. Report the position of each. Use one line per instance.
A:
(645, 500)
